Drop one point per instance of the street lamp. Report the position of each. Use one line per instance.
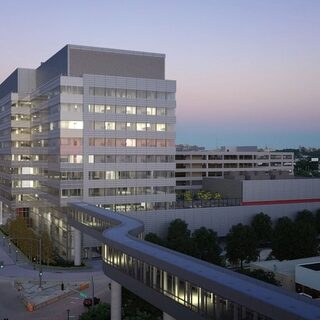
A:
(40, 278)
(17, 255)
(3, 239)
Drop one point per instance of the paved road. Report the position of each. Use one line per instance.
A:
(11, 306)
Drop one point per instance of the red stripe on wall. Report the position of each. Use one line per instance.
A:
(270, 202)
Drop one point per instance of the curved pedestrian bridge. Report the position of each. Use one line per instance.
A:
(182, 286)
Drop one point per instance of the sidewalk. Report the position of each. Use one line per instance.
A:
(24, 277)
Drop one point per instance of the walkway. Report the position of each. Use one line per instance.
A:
(182, 286)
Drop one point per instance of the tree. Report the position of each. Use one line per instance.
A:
(283, 239)
(295, 240)
(187, 196)
(261, 275)
(241, 244)
(99, 312)
(262, 226)
(154, 238)
(305, 235)
(178, 237)
(205, 245)
(47, 252)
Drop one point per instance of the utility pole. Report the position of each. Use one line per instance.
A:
(92, 286)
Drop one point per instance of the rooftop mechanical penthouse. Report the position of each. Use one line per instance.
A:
(89, 124)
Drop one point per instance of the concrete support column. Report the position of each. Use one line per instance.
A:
(165, 281)
(176, 287)
(217, 307)
(243, 312)
(77, 247)
(154, 277)
(166, 317)
(235, 311)
(115, 300)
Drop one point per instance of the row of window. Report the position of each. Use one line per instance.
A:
(97, 125)
(233, 165)
(125, 191)
(115, 109)
(99, 158)
(102, 158)
(131, 93)
(111, 142)
(130, 126)
(110, 175)
(233, 157)
(115, 175)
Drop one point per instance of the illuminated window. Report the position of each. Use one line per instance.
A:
(130, 142)
(110, 125)
(161, 127)
(151, 111)
(130, 110)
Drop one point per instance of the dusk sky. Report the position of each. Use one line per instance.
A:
(248, 72)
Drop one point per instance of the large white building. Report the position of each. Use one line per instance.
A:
(89, 124)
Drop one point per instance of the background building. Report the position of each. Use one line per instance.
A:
(230, 163)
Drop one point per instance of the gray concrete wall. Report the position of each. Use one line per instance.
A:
(53, 67)
(291, 189)
(26, 80)
(84, 60)
(219, 219)
(10, 84)
(227, 188)
(22, 81)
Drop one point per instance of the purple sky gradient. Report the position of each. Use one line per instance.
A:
(247, 71)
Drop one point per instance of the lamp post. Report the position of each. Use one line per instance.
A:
(40, 279)
(68, 314)
(17, 255)
(3, 239)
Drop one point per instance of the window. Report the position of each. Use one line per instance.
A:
(110, 92)
(110, 109)
(99, 125)
(110, 125)
(151, 94)
(131, 126)
(110, 175)
(161, 111)
(71, 124)
(130, 142)
(120, 110)
(141, 126)
(141, 94)
(121, 126)
(130, 110)
(161, 127)
(161, 95)
(131, 94)
(99, 91)
(121, 93)
(151, 111)
(99, 108)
